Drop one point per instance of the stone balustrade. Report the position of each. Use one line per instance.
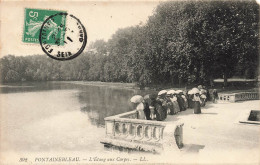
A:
(233, 97)
(128, 132)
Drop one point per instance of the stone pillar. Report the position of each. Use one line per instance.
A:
(173, 137)
(232, 98)
(110, 127)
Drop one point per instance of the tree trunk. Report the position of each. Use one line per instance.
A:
(172, 83)
(180, 82)
(225, 79)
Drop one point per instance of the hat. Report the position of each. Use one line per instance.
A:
(170, 92)
(203, 96)
(146, 97)
(162, 92)
(195, 90)
(190, 92)
(137, 99)
(178, 91)
(203, 91)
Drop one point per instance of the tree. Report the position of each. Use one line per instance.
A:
(183, 42)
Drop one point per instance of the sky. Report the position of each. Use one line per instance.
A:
(101, 20)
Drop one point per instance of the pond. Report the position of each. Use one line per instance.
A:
(58, 116)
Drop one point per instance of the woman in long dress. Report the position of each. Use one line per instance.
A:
(170, 109)
(161, 106)
(140, 109)
(152, 103)
(175, 103)
(137, 104)
(184, 99)
(180, 100)
(190, 97)
(214, 96)
(147, 110)
(203, 97)
(197, 101)
(149, 106)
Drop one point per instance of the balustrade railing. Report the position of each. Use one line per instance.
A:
(233, 97)
(127, 131)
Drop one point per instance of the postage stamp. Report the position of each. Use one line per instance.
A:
(33, 21)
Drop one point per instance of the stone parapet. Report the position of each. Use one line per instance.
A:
(127, 131)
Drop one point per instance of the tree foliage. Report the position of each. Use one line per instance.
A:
(182, 42)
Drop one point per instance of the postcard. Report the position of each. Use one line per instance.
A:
(129, 82)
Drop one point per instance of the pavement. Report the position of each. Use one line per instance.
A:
(216, 135)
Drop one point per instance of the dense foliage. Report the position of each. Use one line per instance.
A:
(182, 42)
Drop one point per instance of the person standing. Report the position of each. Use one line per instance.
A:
(190, 97)
(147, 111)
(175, 103)
(214, 95)
(184, 96)
(170, 109)
(197, 101)
(151, 99)
(161, 105)
(180, 100)
(207, 94)
(203, 97)
(137, 103)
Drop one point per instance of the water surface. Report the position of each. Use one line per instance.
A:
(58, 116)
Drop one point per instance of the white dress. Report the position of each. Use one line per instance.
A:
(140, 109)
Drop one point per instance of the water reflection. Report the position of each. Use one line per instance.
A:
(22, 87)
(97, 102)
(100, 102)
(47, 116)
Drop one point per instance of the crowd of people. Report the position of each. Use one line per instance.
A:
(171, 102)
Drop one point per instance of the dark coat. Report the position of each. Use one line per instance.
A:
(160, 109)
(181, 103)
(147, 111)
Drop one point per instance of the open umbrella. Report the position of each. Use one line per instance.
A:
(162, 92)
(147, 97)
(178, 91)
(195, 90)
(190, 92)
(170, 92)
(203, 91)
(137, 99)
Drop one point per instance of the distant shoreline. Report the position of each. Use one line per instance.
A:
(99, 83)
(132, 86)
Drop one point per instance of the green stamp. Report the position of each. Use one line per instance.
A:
(33, 21)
